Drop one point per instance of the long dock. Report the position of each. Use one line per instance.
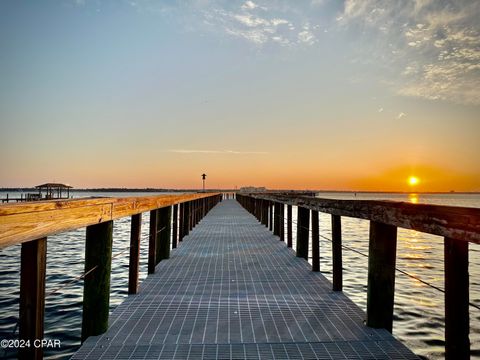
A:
(232, 290)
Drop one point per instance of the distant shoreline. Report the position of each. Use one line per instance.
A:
(233, 190)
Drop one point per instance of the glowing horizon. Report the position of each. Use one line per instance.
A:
(333, 95)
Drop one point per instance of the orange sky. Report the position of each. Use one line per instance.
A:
(291, 97)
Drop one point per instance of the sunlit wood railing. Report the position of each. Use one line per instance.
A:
(30, 223)
(458, 225)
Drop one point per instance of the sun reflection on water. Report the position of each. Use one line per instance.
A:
(413, 198)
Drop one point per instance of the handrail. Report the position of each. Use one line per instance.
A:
(22, 222)
(460, 223)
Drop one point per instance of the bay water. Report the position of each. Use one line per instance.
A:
(418, 312)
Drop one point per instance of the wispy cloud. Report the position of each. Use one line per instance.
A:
(260, 24)
(430, 49)
(401, 115)
(435, 46)
(249, 5)
(278, 22)
(234, 152)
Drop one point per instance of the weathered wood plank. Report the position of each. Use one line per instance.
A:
(29, 221)
(461, 223)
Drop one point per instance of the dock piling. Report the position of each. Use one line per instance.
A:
(187, 216)
(337, 253)
(96, 285)
(282, 222)
(276, 216)
(270, 207)
(381, 275)
(152, 242)
(181, 225)
(32, 296)
(315, 242)
(303, 230)
(289, 226)
(457, 321)
(163, 233)
(135, 236)
(175, 226)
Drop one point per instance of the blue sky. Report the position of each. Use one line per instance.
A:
(319, 93)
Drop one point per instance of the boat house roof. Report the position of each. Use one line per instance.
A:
(53, 185)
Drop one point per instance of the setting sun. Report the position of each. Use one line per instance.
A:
(413, 180)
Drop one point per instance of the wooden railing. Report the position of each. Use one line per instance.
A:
(458, 225)
(29, 224)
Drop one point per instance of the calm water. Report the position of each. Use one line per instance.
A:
(419, 310)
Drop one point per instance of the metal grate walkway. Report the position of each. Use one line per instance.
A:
(231, 290)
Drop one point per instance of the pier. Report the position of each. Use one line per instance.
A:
(222, 285)
(233, 291)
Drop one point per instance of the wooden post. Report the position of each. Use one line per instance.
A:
(152, 242)
(337, 253)
(262, 212)
(289, 226)
(197, 213)
(135, 236)
(282, 221)
(181, 225)
(315, 242)
(163, 233)
(381, 275)
(32, 296)
(191, 213)
(186, 214)
(265, 213)
(457, 324)
(276, 221)
(198, 210)
(270, 205)
(259, 210)
(303, 229)
(175, 226)
(96, 285)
